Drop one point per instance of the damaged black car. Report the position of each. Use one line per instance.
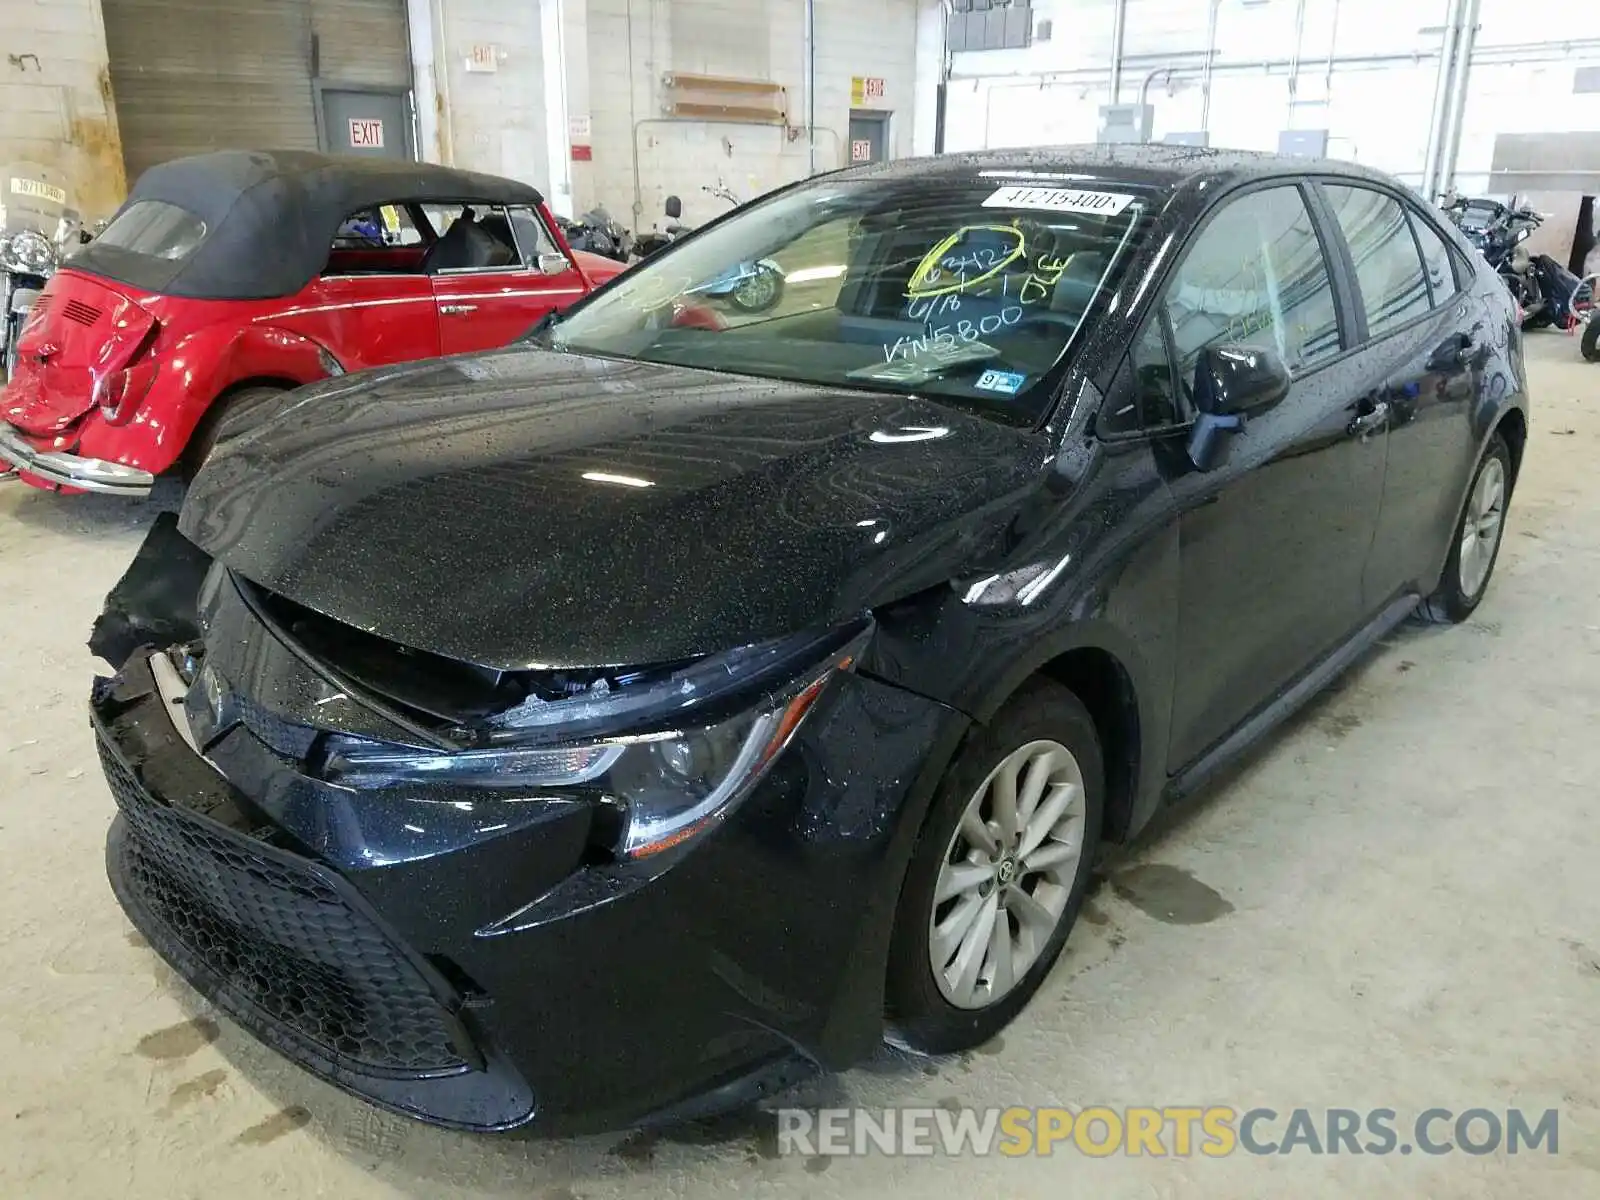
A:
(621, 726)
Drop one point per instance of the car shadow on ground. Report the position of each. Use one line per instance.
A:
(50, 513)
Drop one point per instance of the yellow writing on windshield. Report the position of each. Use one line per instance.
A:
(948, 268)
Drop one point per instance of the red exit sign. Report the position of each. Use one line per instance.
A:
(366, 133)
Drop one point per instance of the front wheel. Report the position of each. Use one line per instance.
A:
(1476, 544)
(759, 291)
(998, 874)
(1591, 338)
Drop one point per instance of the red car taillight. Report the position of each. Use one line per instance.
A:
(119, 394)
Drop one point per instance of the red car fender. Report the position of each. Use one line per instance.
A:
(195, 371)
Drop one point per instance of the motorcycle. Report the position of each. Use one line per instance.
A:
(36, 231)
(658, 240)
(1545, 291)
(750, 287)
(598, 232)
(1590, 344)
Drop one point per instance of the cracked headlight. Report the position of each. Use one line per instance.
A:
(668, 784)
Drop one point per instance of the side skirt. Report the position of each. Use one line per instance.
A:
(1195, 776)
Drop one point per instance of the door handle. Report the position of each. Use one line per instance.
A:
(1457, 352)
(456, 310)
(1365, 423)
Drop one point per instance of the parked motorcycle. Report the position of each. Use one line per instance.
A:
(750, 287)
(1546, 291)
(36, 231)
(658, 240)
(598, 232)
(1591, 324)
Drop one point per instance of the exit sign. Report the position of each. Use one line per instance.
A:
(864, 89)
(366, 133)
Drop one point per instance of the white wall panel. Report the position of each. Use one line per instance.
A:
(748, 39)
(55, 102)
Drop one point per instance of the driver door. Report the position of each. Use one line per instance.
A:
(481, 308)
(1274, 540)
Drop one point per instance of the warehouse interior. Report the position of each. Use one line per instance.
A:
(1389, 903)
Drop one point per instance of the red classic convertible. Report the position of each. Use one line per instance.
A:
(227, 277)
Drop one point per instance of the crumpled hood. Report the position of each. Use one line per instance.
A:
(526, 508)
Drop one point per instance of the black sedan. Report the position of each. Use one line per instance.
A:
(617, 727)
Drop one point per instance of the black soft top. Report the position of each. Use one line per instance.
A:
(271, 216)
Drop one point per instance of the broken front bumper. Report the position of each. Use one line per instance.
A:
(59, 469)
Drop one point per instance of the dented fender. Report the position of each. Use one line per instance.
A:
(194, 372)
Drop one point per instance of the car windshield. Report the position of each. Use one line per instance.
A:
(965, 288)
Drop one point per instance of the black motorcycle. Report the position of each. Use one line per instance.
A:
(1546, 292)
(598, 232)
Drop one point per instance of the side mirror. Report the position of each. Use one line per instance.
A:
(674, 207)
(1232, 383)
(552, 264)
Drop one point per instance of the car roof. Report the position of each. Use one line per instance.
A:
(1155, 165)
(270, 216)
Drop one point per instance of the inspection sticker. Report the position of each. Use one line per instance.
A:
(1107, 204)
(1009, 382)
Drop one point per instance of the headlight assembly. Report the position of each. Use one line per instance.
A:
(27, 252)
(668, 783)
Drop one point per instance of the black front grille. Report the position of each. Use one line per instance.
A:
(288, 952)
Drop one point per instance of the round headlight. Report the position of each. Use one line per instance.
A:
(28, 251)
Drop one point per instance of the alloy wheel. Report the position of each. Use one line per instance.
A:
(1482, 526)
(1007, 874)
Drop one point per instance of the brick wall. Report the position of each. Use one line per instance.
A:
(55, 93)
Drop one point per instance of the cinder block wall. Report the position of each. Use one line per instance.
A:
(55, 97)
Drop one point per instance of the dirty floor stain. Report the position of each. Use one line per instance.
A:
(1341, 725)
(279, 1124)
(178, 1041)
(195, 1089)
(1169, 894)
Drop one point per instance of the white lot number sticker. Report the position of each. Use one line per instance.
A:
(1049, 199)
(38, 189)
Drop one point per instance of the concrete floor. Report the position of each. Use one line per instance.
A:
(1396, 905)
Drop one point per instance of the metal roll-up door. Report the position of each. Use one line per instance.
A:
(189, 76)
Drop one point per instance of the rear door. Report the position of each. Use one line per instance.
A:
(1421, 358)
(1273, 541)
(481, 308)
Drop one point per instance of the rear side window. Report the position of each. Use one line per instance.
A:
(1388, 265)
(1256, 276)
(1437, 261)
(155, 229)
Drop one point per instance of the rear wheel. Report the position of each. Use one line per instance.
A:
(999, 873)
(1476, 544)
(1591, 338)
(224, 419)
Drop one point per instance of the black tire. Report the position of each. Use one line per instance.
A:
(224, 418)
(1450, 604)
(919, 1016)
(1591, 338)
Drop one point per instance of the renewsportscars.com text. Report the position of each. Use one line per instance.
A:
(1177, 1131)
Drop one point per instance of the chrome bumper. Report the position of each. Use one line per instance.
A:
(69, 470)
